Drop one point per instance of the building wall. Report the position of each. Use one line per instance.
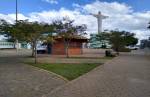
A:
(75, 48)
(58, 48)
(75, 51)
(94, 43)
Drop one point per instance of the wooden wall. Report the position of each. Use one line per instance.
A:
(75, 48)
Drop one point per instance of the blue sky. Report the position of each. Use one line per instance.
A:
(28, 6)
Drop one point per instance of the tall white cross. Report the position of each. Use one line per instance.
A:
(99, 17)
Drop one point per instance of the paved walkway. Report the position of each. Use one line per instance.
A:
(125, 76)
(20, 80)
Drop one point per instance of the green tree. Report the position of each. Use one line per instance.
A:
(26, 31)
(130, 39)
(34, 32)
(117, 40)
(3, 25)
(67, 30)
(120, 39)
(11, 31)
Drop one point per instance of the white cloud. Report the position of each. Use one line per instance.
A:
(121, 16)
(11, 17)
(76, 5)
(51, 1)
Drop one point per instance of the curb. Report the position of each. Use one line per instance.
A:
(57, 75)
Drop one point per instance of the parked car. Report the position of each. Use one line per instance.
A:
(41, 49)
(133, 47)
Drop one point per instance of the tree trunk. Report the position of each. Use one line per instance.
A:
(82, 47)
(33, 48)
(117, 50)
(35, 52)
(66, 49)
(17, 45)
(67, 54)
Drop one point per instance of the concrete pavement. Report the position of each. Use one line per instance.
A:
(126, 76)
(21, 80)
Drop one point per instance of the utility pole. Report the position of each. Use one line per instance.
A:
(16, 11)
(16, 23)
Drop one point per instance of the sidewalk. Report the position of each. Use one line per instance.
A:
(21, 80)
(126, 76)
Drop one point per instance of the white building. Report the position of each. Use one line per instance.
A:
(4, 44)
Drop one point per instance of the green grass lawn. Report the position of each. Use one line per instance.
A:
(69, 71)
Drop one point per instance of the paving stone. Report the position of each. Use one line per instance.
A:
(126, 76)
(21, 80)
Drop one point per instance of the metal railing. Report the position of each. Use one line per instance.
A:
(7, 45)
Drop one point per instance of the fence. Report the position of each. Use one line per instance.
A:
(6, 45)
